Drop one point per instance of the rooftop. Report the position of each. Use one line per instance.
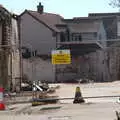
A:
(104, 14)
(48, 19)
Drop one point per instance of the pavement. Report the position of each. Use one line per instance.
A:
(92, 109)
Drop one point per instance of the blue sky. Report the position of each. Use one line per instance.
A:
(66, 8)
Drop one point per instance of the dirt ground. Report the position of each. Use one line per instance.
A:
(92, 109)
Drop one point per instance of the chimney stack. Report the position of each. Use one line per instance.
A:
(40, 8)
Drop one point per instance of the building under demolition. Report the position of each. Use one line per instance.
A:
(9, 49)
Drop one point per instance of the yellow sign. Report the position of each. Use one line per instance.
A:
(61, 57)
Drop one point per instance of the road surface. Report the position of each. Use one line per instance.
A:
(93, 109)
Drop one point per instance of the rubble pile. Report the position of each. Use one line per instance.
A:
(38, 89)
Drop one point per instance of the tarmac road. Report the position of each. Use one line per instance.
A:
(93, 109)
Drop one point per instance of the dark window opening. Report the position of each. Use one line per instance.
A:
(95, 35)
(68, 35)
(62, 37)
(80, 38)
(100, 37)
(26, 53)
(76, 37)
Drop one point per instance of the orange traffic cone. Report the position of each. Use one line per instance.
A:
(2, 105)
(78, 96)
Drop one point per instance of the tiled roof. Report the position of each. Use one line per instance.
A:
(48, 19)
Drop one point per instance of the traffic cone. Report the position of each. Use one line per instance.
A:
(2, 105)
(78, 96)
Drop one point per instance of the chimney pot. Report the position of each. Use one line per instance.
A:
(40, 8)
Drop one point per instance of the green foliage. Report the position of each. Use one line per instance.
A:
(115, 3)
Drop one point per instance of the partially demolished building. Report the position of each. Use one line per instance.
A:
(9, 49)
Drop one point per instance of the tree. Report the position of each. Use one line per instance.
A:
(115, 3)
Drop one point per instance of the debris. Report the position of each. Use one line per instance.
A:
(42, 94)
(13, 108)
(85, 81)
(40, 86)
(51, 90)
(45, 99)
(45, 86)
(36, 103)
(37, 87)
(26, 87)
(57, 87)
(13, 94)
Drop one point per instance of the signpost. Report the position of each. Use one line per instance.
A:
(61, 57)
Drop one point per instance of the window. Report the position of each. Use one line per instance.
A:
(26, 53)
(100, 37)
(95, 34)
(62, 37)
(80, 38)
(76, 37)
